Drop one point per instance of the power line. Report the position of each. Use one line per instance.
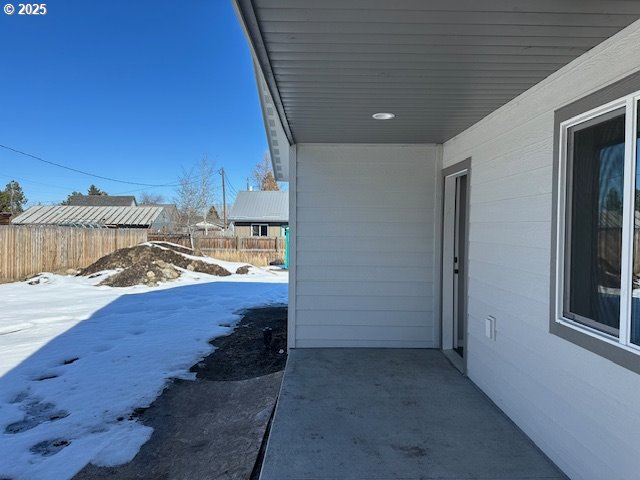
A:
(232, 190)
(110, 179)
(197, 179)
(230, 184)
(136, 190)
(26, 180)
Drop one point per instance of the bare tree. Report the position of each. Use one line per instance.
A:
(187, 201)
(194, 195)
(148, 198)
(263, 174)
(206, 190)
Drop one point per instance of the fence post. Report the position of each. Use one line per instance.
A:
(237, 243)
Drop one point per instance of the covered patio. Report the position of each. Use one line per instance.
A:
(429, 147)
(392, 414)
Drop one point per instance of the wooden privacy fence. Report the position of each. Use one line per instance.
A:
(208, 244)
(257, 251)
(29, 250)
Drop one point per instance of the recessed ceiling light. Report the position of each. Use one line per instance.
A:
(383, 116)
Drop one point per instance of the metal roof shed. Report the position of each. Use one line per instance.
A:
(102, 201)
(130, 217)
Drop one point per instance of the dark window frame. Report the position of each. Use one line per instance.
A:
(260, 227)
(581, 335)
(569, 210)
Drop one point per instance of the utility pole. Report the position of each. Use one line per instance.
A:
(224, 200)
(11, 197)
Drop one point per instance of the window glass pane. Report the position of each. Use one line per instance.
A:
(595, 173)
(255, 230)
(264, 232)
(635, 299)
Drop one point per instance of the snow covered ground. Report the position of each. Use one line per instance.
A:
(76, 359)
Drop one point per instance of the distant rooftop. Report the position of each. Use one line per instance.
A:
(102, 201)
(172, 208)
(89, 216)
(5, 218)
(264, 206)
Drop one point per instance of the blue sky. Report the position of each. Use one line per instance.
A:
(134, 90)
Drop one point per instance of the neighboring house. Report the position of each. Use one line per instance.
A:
(511, 121)
(152, 218)
(102, 201)
(260, 213)
(171, 211)
(5, 218)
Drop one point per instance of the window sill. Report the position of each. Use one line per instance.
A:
(598, 343)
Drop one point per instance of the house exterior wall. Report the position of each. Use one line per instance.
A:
(364, 221)
(164, 222)
(580, 408)
(242, 229)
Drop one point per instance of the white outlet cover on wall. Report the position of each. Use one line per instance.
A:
(489, 326)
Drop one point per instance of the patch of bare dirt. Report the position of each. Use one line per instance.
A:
(257, 346)
(149, 265)
(243, 270)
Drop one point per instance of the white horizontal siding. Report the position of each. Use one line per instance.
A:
(399, 303)
(382, 289)
(347, 213)
(360, 229)
(369, 243)
(579, 408)
(366, 272)
(364, 335)
(347, 258)
(365, 245)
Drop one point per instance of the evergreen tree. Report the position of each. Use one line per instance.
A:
(93, 190)
(68, 200)
(213, 213)
(12, 198)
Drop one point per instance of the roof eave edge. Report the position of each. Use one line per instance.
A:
(275, 120)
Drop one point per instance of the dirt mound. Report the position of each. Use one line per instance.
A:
(149, 265)
(175, 247)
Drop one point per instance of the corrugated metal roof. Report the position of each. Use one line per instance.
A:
(439, 65)
(260, 206)
(102, 201)
(99, 216)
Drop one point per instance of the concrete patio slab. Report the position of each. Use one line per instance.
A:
(391, 414)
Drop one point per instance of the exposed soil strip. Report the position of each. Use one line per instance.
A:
(213, 427)
(244, 354)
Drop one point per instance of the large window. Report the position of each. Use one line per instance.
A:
(259, 230)
(598, 275)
